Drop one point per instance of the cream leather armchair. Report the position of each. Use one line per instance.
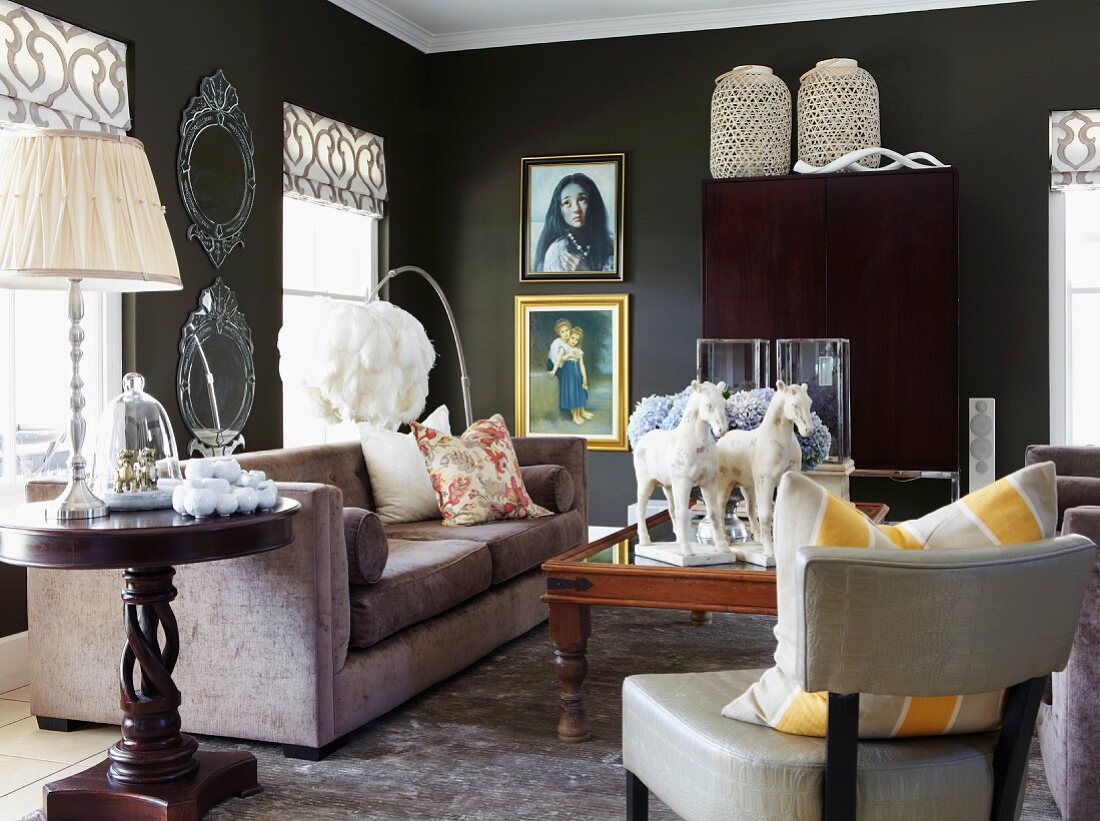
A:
(872, 621)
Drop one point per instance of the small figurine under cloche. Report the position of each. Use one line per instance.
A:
(135, 465)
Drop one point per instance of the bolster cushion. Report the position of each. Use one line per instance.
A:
(550, 486)
(367, 546)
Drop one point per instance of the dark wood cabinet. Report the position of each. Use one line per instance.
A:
(872, 257)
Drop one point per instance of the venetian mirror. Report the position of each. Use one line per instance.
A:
(217, 176)
(216, 378)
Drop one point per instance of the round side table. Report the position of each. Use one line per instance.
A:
(154, 771)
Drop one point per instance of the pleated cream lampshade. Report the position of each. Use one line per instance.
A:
(81, 204)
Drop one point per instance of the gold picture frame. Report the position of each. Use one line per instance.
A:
(600, 259)
(589, 364)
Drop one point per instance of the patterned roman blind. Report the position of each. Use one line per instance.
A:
(57, 75)
(332, 163)
(1074, 151)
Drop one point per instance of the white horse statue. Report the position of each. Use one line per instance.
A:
(755, 460)
(678, 460)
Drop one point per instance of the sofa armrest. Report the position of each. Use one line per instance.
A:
(261, 637)
(571, 452)
(1069, 460)
(1075, 705)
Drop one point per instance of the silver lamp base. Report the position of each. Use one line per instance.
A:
(77, 502)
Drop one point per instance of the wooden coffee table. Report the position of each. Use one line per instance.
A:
(154, 771)
(607, 572)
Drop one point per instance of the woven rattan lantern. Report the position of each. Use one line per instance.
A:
(837, 113)
(750, 124)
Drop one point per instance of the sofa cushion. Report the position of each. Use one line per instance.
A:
(422, 579)
(399, 480)
(550, 486)
(366, 544)
(476, 476)
(516, 545)
(1018, 508)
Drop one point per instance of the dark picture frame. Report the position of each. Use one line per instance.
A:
(559, 196)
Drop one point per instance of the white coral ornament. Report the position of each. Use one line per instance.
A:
(358, 362)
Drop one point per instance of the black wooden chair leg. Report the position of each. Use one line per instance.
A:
(637, 798)
(841, 747)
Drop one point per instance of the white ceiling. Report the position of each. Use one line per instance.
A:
(454, 25)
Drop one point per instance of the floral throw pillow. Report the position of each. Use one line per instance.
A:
(476, 476)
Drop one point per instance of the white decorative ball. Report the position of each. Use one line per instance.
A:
(268, 494)
(227, 504)
(200, 503)
(228, 469)
(177, 499)
(200, 469)
(247, 499)
(219, 486)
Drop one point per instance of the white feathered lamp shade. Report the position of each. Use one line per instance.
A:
(81, 207)
(359, 362)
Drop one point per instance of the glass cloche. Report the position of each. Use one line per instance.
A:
(135, 466)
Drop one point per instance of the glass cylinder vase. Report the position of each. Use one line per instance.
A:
(823, 365)
(743, 364)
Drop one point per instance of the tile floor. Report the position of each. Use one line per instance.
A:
(30, 757)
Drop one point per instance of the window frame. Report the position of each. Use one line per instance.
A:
(100, 368)
(374, 263)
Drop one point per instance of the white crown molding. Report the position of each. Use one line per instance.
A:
(758, 14)
(389, 21)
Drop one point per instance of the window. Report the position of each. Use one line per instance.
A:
(82, 84)
(35, 369)
(326, 251)
(1075, 316)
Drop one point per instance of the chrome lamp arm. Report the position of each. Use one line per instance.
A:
(450, 318)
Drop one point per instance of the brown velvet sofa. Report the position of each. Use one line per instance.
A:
(281, 647)
(1069, 718)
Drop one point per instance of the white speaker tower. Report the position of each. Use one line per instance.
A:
(982, 451)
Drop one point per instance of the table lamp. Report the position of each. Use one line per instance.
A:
(81, 207)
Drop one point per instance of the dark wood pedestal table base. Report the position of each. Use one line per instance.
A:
(608, 572)
(154, 771)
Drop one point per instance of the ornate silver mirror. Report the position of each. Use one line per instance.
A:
(216, 378)
(217, 176)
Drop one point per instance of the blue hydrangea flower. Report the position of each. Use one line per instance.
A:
(676, 410)
(648, 415)
(745, 409)
(815, 447)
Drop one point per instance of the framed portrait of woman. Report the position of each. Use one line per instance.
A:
(572, 367)
(571, 225)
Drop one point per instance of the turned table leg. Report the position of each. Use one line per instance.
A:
(700, 617)
(154, 771)
(570, 626)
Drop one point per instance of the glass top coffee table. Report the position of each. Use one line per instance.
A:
(607, 572)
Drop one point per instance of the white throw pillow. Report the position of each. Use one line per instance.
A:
(398, 478)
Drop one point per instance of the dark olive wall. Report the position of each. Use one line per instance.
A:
(971, 86)
(305, 51)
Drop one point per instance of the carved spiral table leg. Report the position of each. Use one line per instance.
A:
(152, 749)
(154, 772)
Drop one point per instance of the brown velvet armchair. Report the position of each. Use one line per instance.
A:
(1069, 729)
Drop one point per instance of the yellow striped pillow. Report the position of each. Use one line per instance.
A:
(1019, 508)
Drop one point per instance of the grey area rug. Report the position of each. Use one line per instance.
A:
(482, 745)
